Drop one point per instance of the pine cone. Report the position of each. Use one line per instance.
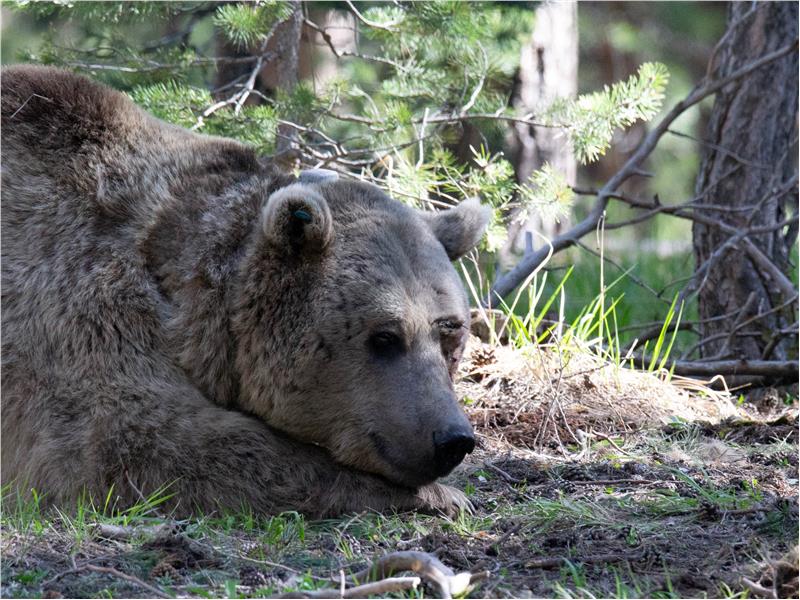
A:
(482, 357)
(479, 358)
(165, 568)
(252, 577)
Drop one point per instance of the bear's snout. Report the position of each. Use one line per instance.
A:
(450, 448)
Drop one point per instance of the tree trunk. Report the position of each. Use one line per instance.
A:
(749, 165)
(280, 73)
(548, 70)
(287, 43)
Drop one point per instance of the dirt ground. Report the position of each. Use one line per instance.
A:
(588, 481)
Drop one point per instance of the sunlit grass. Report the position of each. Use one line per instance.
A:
(538, 313)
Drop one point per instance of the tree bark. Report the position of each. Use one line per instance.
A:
(749, 165)
(548, 70)
(287, 43)
(281, 73)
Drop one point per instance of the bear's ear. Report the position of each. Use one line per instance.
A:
(297, 219)
(460, 228)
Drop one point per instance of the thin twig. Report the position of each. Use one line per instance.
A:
(616, 482)
(614, 263)
(326, 37)
(722, 149)
(373, 24)
(108, 571)
(552, 563)
(130, 578)
(603, 436)
(498, 543)
(476, 92)
(503, 474)
(155, 66)
(728, 32)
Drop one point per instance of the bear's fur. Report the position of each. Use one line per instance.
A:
(176, 312)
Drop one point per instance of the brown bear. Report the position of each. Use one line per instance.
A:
(175, 311)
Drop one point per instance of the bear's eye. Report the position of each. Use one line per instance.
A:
(451, 335)
(449, 325)
(385, 344)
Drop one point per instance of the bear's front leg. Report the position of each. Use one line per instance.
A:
(354, 491)
(216, 458)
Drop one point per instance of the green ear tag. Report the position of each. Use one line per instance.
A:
(302, 215)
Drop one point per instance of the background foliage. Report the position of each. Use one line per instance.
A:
(392, 109)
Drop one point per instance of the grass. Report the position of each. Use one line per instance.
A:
(575, 290)
(630, 539)
(581, 311)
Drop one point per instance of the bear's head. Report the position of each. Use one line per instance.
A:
(351, 322)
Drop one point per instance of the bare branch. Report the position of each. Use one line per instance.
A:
(373, 24)
(722, 355)
(495, 116)
(156, 592)
(263, 56)
(766, 368)
(614, 263)
(239, 97)
(507, 282)
(728, 32)
(326, 37)
(686, 211)
(768, 268)
(718, 148)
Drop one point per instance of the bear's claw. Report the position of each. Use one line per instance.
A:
(440, 498)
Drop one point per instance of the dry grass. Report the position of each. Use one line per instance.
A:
(537, 397)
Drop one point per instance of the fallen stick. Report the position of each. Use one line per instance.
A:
(108, 571)
(492, 548)
(131, 578)
(615, 481)
(124, 533)
(367, 590)
(446, 583)
(757, 590)
(508, 478)
(603, 436)
(767, 368)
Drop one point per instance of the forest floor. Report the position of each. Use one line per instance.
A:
(588, 481)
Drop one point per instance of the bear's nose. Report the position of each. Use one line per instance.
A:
(450, 448)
